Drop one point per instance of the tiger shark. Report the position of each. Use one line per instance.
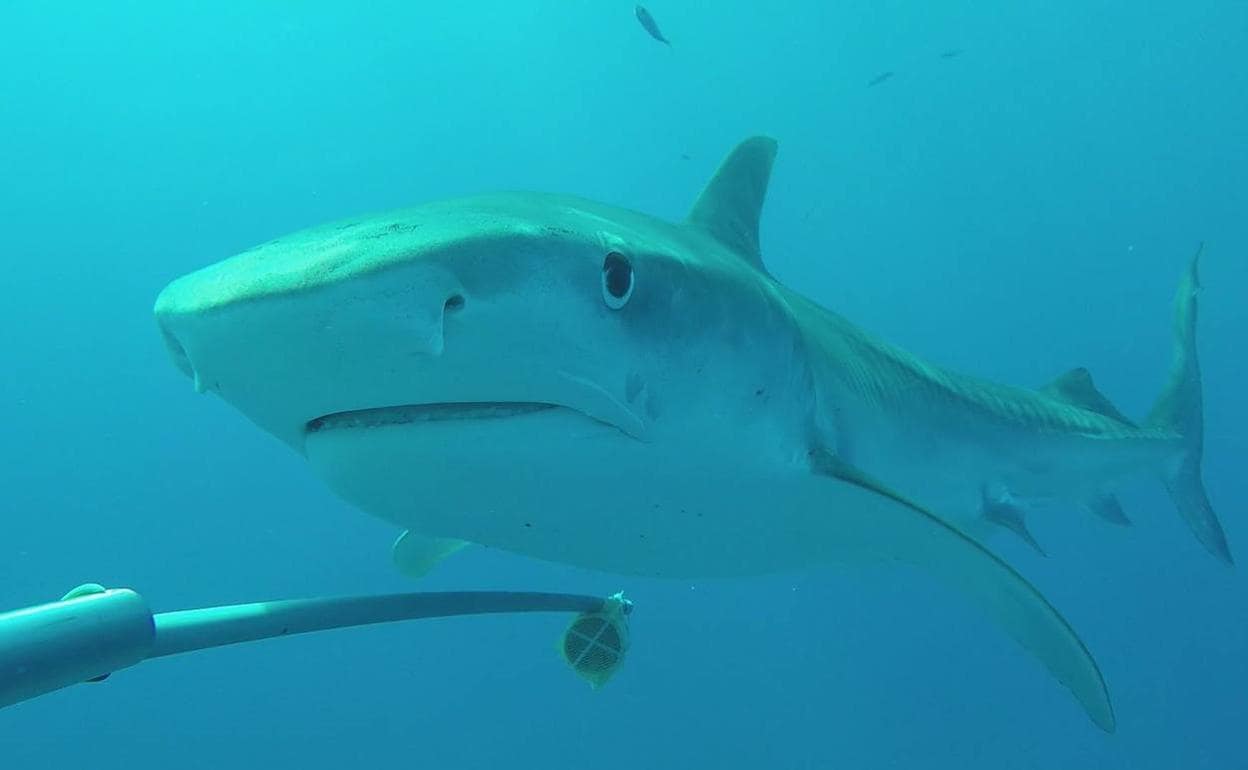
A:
(589, 385)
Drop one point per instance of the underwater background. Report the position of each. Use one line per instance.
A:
(1019, 197)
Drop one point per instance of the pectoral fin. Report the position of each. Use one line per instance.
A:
(415, 555)
(868, 516)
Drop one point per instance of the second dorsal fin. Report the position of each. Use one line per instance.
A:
(1076, 387)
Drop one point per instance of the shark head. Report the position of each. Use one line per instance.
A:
(489, 349)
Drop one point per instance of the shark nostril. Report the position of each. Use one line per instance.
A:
(176, 351)
(453, 303)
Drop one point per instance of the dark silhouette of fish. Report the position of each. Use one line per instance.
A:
(880, 78)
(951, 53)
(651, 25)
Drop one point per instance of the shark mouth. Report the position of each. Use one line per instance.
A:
(416, 413)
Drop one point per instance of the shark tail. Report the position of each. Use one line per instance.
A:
(1179, 410)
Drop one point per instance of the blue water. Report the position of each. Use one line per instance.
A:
(1016, 210)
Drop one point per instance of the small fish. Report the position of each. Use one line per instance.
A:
(651, 25)
(951, 53)
(880, 78)
(684, 156)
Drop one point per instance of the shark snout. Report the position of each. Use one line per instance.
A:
(177, 332)
(177, 353)
(407, 311)
(285, 354)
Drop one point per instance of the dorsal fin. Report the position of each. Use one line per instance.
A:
(731, 202)
(1076, 387)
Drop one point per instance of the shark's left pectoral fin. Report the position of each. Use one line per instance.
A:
(415, 555)
(868, 516)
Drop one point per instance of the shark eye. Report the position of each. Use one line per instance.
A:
(617, 280)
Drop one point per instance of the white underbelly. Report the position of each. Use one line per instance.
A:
(557, 486)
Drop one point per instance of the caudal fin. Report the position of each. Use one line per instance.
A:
(1179, 409)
